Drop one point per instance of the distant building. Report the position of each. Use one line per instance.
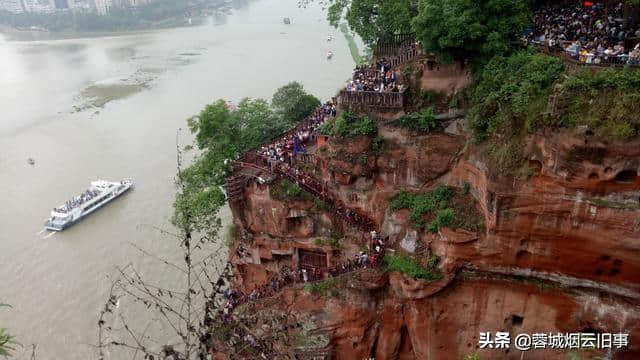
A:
(62, 4)
(81, 5)
(102, 6)
(128, 3)
(14, 6)
(39, 6)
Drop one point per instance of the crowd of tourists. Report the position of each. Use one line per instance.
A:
(283, 155)
(305, 274)
(590, 34)
(378, 77)
(293, 145)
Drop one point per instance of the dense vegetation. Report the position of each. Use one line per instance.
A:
(222, 134)
(442, 207)
(324, 288)
(349, 125)
(373, 19)
(424, 121)
(292, 103)
(462, 29)
(607, 101)
(286, 190)
(525, 92)
(153, 14)
(512, 92)
(413, 268)
(451, 29)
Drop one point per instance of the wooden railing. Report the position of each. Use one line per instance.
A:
(311, 185)
(392, 45)
(393, 100)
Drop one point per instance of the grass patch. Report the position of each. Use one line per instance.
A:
(424, 121)
(333, 242)
(613, 204)
(378, 146)
(473, 356)
(320, 205)
(442, 207)
(606, 101)
(349, 125)
(285, 190)
(523, 93)
(412, 268)
(324, 288)
(466, 188)
(511, 93)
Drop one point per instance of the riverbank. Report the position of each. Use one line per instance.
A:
(359, 59)
(163, 14)
(133, 136)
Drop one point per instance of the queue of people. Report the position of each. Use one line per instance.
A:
(305, 274)
(293, 145)
(589, 34)
(378, 78)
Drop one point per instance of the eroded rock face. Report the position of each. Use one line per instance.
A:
(575, 221)
(446, 325)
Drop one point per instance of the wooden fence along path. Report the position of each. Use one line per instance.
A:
(395, 100)
(397, 50)
(391, 45)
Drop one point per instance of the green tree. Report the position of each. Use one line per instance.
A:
(292, 103)
(373, 19)
(463, 29)
(7, 341)
(222, 135)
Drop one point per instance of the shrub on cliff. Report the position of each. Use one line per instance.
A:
(526, 92)
(606, 101)
(424, 121)
(421, 205)
(349, 125)
(286, 190)
(512, 92)
(411, 267)
(324, 288)
(442, 207)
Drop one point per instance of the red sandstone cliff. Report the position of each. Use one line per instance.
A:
(559, 249)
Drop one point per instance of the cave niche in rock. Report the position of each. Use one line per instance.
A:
(626, 176)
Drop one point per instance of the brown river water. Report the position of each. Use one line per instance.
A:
(110, 107)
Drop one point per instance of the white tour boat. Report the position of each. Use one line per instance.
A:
(100, 193)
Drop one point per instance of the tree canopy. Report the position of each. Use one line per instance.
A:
(222, 134)
(457, 29)
(450, 29)
(374, 19)
(292, 104)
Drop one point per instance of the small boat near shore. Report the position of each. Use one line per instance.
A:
(100, 193)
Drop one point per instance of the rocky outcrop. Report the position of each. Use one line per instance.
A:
(559, 249)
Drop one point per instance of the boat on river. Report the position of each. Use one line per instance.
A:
(99, 194)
